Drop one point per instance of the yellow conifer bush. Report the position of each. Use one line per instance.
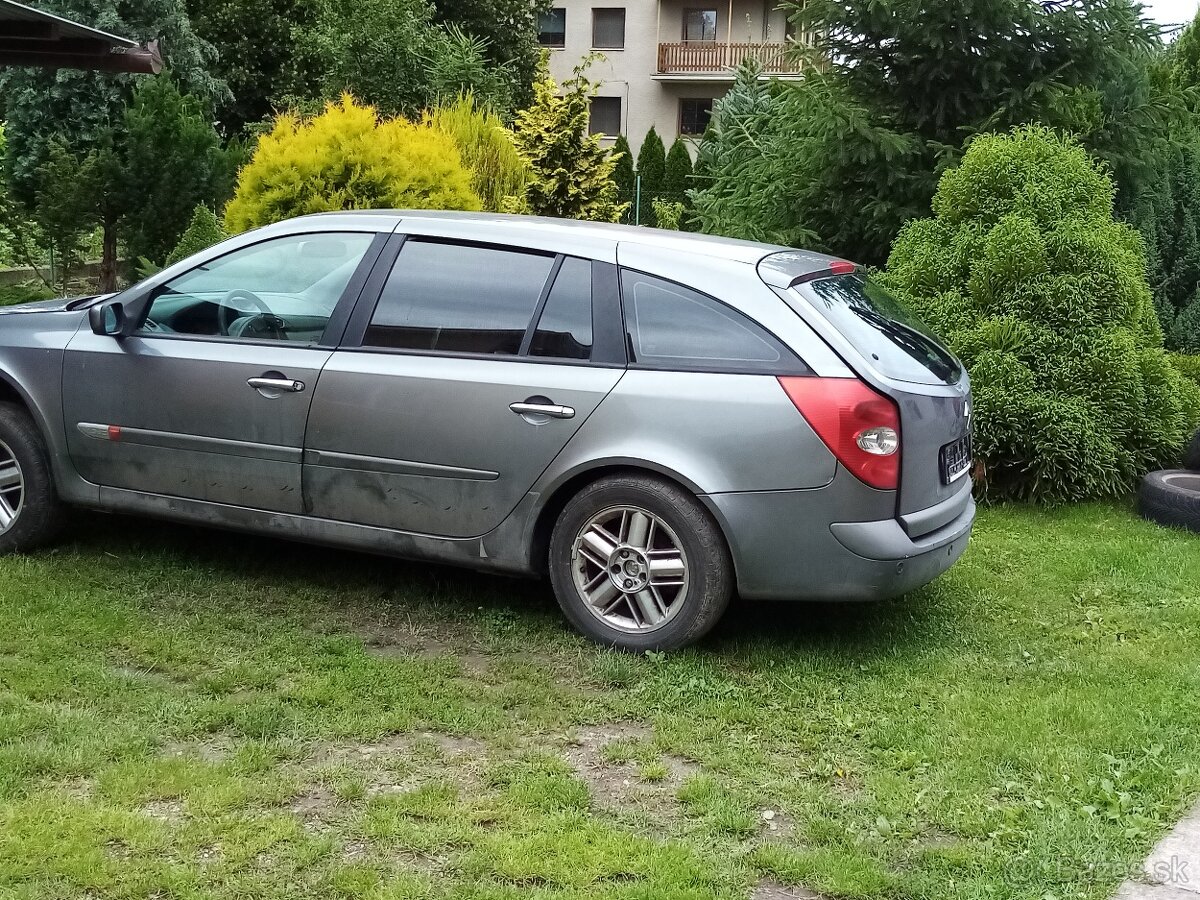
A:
(348, 158)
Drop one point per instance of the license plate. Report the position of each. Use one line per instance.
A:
(956, 460)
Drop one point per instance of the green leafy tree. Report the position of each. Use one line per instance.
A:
(678, 174)
(759, 167)
(897, 88)
(347, 158)
(261, 53)
(393, 55)
(499, 175)
(668, 214)
(572, 172)
(83, 113)
(171, 160)
(1025, 272)
(508, 30)
(202, 232)
(651, 169)
(624, 176)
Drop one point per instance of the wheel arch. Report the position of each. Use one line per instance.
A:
(570, 483)
(11, 393)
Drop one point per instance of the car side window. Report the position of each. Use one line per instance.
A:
(564, 330)
(283, 289)
(458, 298)
(672, 326)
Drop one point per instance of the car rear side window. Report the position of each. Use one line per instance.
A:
(458, 298)
(674, 327)
(564, 330)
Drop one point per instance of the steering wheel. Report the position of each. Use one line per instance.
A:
(229, 312)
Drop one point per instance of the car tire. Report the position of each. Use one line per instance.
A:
(676, 564)
(1171, 497)
(1191, 458)
(31, 513)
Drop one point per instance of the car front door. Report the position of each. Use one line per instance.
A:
(458, 386)
(208, 398)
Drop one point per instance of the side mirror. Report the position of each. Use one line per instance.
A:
(107, 319)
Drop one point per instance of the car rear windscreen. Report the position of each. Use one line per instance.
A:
(895, 342)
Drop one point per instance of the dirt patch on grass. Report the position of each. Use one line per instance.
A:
(773, 890)
(624, 773)
(215, 749)
(776, 826)
(170, 811)
(391, 641)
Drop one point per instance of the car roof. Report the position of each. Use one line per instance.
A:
(512, 227)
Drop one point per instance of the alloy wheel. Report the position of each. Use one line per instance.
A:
(12, 487)
(630, 568)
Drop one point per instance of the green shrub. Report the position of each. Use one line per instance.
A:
(668, 214)
(1044, 296)
(572, 173)
(1185, 330)
(1188, 365)
(498, 173)
(202, 232)
(347, 158)
(11, 294)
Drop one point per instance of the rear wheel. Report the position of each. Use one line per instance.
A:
(30, 511)
(637, 563)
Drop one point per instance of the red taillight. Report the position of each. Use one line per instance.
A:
(861, 427)
(842, 267)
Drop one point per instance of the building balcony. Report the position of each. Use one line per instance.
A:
(717, 60)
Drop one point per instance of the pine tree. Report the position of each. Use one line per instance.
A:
(651, 168)
(678, 175)
(202, 232)
(623, 175)
(572, 173)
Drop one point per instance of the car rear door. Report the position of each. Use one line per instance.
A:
(209, 398)
(462, 375)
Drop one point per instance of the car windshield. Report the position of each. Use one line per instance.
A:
(880, 328)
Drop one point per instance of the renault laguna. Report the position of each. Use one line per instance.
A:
(655, 421)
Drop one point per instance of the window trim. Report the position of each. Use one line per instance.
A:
(562, 45)
(624, 26)
(608, 342)
(335, 326)
(793, 366)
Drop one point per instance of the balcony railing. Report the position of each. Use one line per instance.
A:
(711, 57)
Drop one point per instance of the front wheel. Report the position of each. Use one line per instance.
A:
(637, 563)
(30, 511)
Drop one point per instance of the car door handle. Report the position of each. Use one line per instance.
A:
(276, 384)
(552, 410)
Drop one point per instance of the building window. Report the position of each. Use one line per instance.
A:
(608, 29)
(605, 116)
(699, 24)
(552, 27)
(694, 115)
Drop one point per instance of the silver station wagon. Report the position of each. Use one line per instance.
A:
(655, 421)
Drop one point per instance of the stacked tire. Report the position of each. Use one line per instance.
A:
(1172, 496)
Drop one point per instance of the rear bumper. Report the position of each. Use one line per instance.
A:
(785, 548)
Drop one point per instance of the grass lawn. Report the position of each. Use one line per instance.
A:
(186, 715)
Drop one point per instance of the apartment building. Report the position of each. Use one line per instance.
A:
(665, 61)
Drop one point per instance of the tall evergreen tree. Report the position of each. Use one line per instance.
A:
(678, 174)
(651, 169)
(572, 174)
(624, 176)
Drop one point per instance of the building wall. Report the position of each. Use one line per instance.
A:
(630, 73)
